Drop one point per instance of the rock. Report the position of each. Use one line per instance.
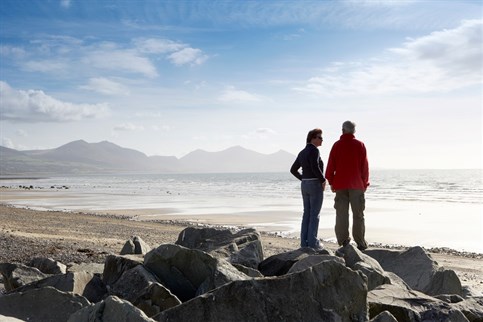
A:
(472, 308)
(135, 245)
(357, 260)
(418, 270)
(48, 265)
(280, 264)
(409, 306)
(313, 260)
(16, 275)
(132, 283)
(243, 247)
(156, 298)
(42, 304)
(86, 267)
(248, 270)
(189, 272)
(88, 285)
(385, 316)
(328, 291)
(116, 265)
(111, 309)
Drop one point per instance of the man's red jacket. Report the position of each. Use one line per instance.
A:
(348, 167)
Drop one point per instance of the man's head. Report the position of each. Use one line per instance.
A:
(348, 127)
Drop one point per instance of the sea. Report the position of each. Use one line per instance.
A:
(430, 208)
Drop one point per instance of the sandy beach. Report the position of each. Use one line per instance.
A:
(75, 237)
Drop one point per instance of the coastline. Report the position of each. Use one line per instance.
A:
(76, 237)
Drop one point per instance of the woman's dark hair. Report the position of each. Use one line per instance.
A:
(313, 133)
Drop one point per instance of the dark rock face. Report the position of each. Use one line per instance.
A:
(418, 270)
(135, 245)
(326, 292)
(243, 247)
(48, 265)
(188, 272)
(16, 275)
(280, 264)
(115, 266)
(42, 304)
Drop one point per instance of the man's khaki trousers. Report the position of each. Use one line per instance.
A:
(357, 202)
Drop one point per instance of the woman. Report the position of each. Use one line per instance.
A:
(312, 186)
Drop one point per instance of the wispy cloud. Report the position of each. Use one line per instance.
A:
(65, 3)
(439, 62)
(106, 86)
(231, 94)
(36, 106)
(127, 127)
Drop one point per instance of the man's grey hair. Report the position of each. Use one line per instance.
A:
(349, 127)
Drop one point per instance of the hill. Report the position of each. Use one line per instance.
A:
(81, 157)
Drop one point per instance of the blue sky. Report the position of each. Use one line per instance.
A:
(170, 77)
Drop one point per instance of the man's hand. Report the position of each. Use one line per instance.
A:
(323, 185)
(333, 190)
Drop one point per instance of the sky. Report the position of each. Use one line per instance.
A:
(170, 77)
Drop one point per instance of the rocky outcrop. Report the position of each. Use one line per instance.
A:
(111, 309)
(325, 292)
(416, 267)
(175, 283)
(242, 247)
(135, 245)
(42, 304)
(48, 265)
(189, 272)
(280, 264)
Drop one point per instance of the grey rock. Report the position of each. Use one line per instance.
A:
(16, 275)
(357, 260)
(135, 245)
(384, 316)
(280, 264)
(328, 291)
(43, 305)
(156, 298)
(132, 283)
(116, 265)
(313, 260)
(112, 309)
(189, 272)
(248, 270)
(472, 308)
(409, 306)
(416, 267)
(88, 285)
(242, 247)
(48, 265)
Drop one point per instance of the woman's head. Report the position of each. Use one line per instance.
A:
(315, 136)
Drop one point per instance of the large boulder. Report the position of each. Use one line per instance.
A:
(313, 260)
(280, 264)
(472, 308)
(242, 247)
(112, 309)
(385, 316)
(135, 245)
(357, 260)
(48, 265)
(115, 266)
(156, 298)
(189, 272)
(88, 285)
(16, 275)
(132, 283)
(328, 291)
(42, 304)
(416, 267)
(409, 305)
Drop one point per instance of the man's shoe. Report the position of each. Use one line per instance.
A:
(346, 242)
(361, 248)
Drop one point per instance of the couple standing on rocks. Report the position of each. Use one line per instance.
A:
(348, 175)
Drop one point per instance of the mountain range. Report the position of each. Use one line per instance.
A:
(81, 157)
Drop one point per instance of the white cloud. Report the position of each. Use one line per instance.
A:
(45, 66)
(8, 143)
(11, 51)
(188, 55)
(106, 86)
(118, 59)
(21, 133)
(230, 94)
(442, 61)
(36, 106)
(65, 3)
(157, 46)
(128, 127)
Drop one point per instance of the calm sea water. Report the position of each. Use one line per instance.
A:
(446, 200)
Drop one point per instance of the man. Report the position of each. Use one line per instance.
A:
(312, 187)
(348, 176)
